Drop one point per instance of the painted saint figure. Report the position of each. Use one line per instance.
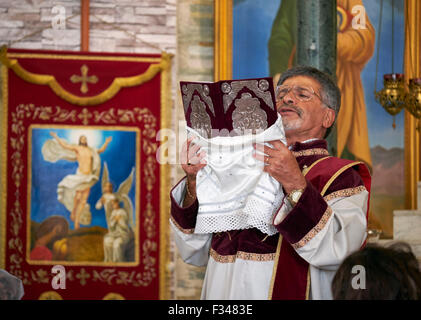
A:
(355, 47)
(117, 222)
(105, 200)
(73, 191)
(119, 233)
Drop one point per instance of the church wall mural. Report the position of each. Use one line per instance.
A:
(83, 190)
(365, 130)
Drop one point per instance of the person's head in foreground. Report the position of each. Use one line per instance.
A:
(11, 288)
(308, 101)
(379, 273)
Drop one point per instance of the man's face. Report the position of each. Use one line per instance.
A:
(299, 117)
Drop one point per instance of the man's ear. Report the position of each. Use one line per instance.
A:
(329, 118)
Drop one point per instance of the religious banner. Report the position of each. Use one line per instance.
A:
(84, 208)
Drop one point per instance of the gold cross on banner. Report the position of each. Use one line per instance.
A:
(84, 79)
(83, 276)
(85, 115)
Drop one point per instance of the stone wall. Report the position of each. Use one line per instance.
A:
(115, 26)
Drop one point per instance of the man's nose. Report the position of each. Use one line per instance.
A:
(289, 98)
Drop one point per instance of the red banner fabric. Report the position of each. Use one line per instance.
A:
(83, 216)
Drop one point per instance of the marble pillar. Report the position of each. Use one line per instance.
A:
(316, 42)
(316, 36)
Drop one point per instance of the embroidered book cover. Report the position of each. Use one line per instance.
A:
(226, 107)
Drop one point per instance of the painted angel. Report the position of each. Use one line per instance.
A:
(119, 218)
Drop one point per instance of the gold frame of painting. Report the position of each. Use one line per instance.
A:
(412, 125)
(29, 194)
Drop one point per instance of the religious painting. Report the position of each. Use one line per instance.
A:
(82, 188)
(365, 131)
(84, 200)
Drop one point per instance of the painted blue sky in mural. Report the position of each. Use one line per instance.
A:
(120, 157)
(253, 20)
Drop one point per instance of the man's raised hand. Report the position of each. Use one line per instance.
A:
(281, 164)
(191, 159)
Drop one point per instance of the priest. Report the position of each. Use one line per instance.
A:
(320, 219)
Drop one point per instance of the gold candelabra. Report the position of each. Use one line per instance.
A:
(394, 97)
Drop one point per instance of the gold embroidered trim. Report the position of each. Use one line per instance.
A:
(275, 266)
(311, 152)
(186, 231)
(242, 255)
(344, 193)
(327, 185)
(307, 169)
(310, 235)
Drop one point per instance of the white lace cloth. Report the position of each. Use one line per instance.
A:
(233, 191)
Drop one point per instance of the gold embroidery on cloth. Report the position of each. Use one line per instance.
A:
(203, 90)
(186, 231)
(199, 118)
(306, 169)
(83, 276)
(248, 115)
(259, 88)
(242, 255)
(311, 152)
(50, 295)
(84, 79)
(113, 296)
(344, 193)
(311, 234)
(107, 94)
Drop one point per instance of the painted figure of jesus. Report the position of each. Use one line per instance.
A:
(73, 190)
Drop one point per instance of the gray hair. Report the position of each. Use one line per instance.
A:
(330, 93)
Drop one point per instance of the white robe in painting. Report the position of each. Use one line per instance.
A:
(118, 236)
(246, 272)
